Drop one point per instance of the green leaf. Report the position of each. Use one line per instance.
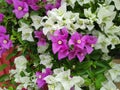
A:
(98, 81)
(11, 88)
(22, 74)
(4, 77)
(90, 73)
(3, 66)
(84, 65)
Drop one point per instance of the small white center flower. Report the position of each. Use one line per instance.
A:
(5, 41)
(78, 41)
(59, 42)
(20, 8)
(39, 76)
(92, 45)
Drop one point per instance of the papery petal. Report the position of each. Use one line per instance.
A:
(81, 56)
(55, 48)
(2, 29)
(37, 74)
(70, 42)
(89, 49)
(72, 54)
(62, 54)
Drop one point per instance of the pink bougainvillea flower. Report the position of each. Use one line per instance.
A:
(50, 6)
(77, 52)
(5, 42)
(77, 40)
(62, 32)
(90, 41)
(1, 17)
(20, 8)
(57, 4)
(40, 77)
(59, 43)
(9, 1)
(33, 4)
(41, 38)
(59, 40)
(63, 52)
(2, 30)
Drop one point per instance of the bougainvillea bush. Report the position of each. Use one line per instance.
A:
(59, 44)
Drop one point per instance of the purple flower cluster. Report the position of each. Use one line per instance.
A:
(5, 42)
(80, 44)
(59, 43)
(41, 75)
(41, 38)
(21, 7)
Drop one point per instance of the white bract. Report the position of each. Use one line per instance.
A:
(88, 13)
(69, 2)
(36, 21)
(64, 81)
(20, 63)
(26, 32)
(108, 85)
(59, 18)
(46, 59)
(42, 49)
(105, 14)
(117, 4)
(114, 73)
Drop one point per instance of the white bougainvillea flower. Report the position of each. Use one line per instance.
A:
(114, 73)
(69, 2)
(63, 80)
(26, 32)
(117, 4)
(45, 59)
(59, 18)
(42, 49)
(36, 21)
(58, 13)
(20, 62)
(105, 13)
(88, 13)
(102, 42)
(108, 85)
(89, 24)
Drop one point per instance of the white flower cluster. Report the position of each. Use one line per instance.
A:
(108, 35)
(112, 75)
(59, 18)
(108, 85)
(25, 81)
(61, 80)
